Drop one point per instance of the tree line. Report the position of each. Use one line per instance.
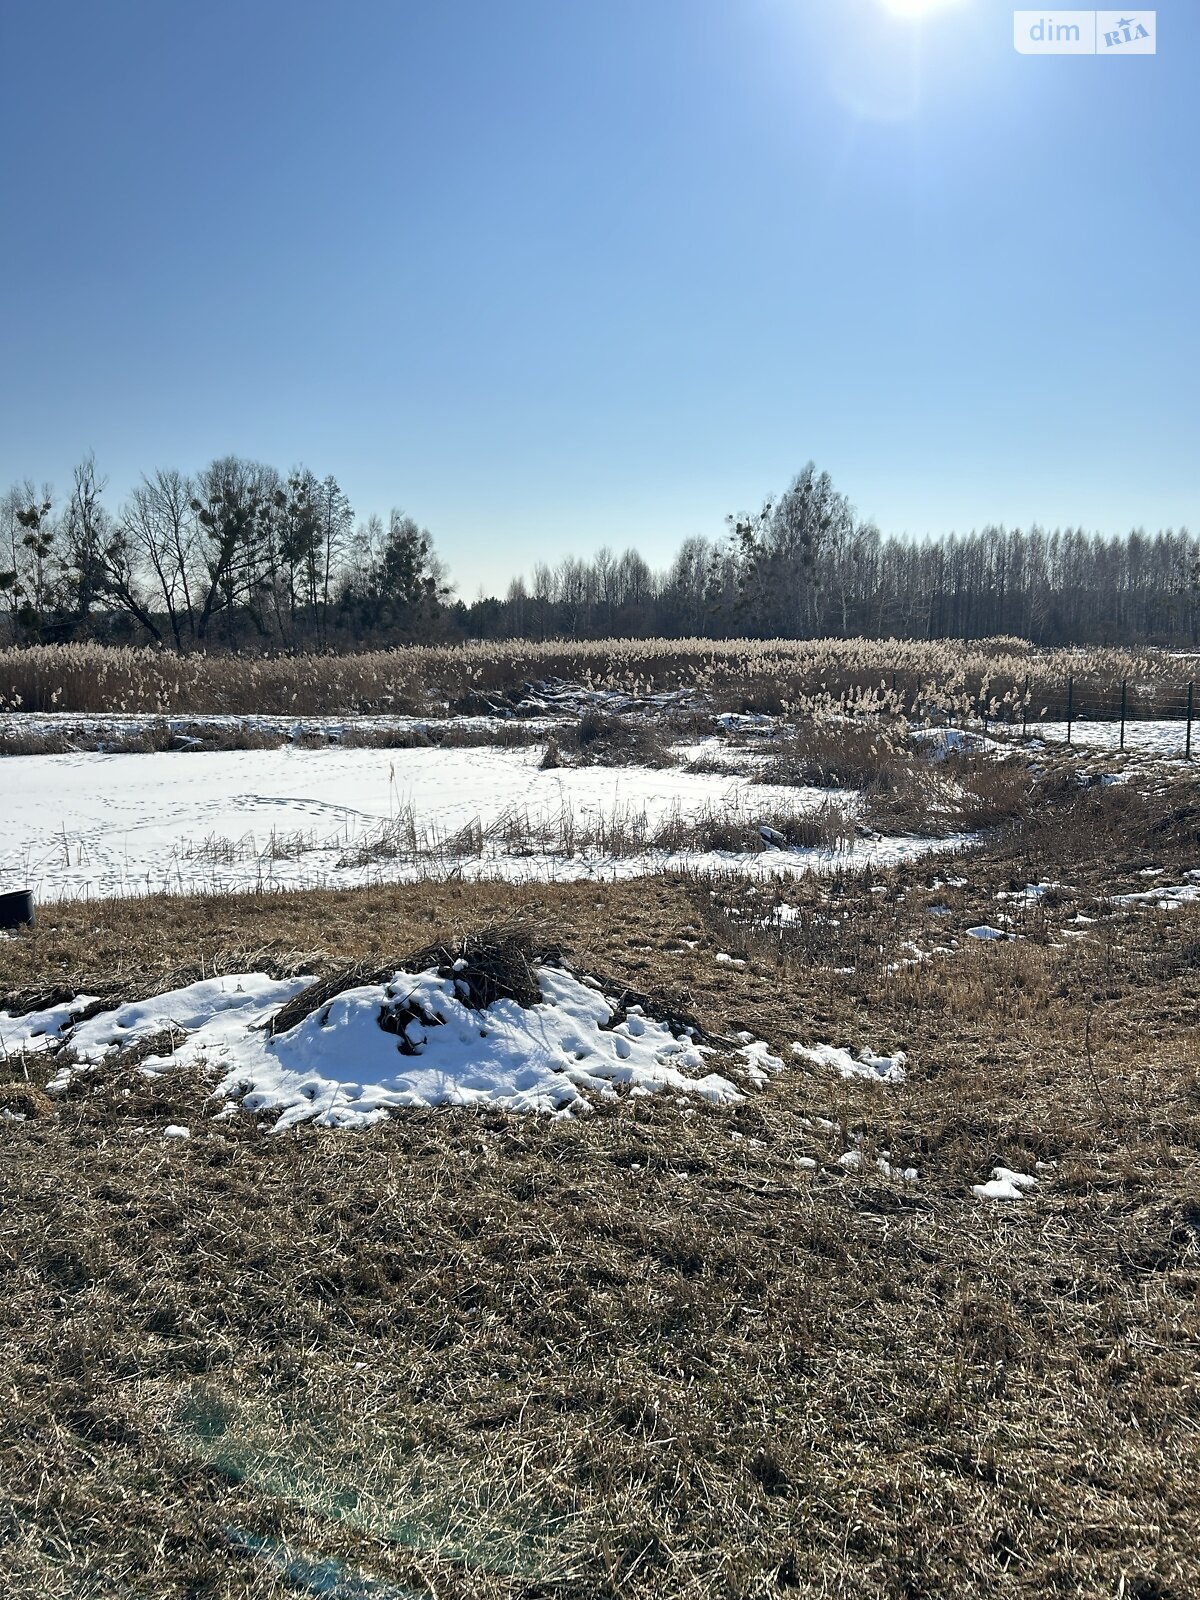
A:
(240, 556)
(234, 556)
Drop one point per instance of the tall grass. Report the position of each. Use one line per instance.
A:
(621, 832)
(936, 679)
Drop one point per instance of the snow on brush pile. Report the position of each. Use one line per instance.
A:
(413, 1039)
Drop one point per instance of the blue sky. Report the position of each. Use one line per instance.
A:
(556, 273)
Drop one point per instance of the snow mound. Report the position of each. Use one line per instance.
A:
(881, 1069)
(1005, 1184)
(343, 1066)
(411, 1040)
(986, 931)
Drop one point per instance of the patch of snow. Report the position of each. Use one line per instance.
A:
(854, 1161)
(1005, 1184)
(1029, 894)
(1161, 737)
(246, 999)
(93, 730)
(1164, 897)
(898, 1173)
(880, 1069)
(175, 1131)
(216, 1005)
(986, 931)
(40, 1030)
(760, 1062)
(716, 751)
(942, 742)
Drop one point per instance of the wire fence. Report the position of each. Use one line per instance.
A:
(1156, 717)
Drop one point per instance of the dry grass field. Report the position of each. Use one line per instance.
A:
(657, 1350)
(764, 675)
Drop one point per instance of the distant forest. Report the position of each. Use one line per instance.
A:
(239, 556)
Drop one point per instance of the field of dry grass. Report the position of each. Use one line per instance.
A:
(937, 678)
(646, 1352)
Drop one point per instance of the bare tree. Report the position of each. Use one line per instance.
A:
(160, 532)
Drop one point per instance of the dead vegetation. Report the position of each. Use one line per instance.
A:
(639, 1353)
(496, 963)
(625, 830)
(932, 679)
(909, 784)
(608, 740)
(833, 753)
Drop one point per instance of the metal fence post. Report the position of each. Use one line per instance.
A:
(1124, 686)
(1025, 709)
(1187, 749)
(1070, 706)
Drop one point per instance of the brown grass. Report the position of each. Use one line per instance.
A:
(644, 1353)
(625, 830)
(937, 679)
(905, 788)
(833, 753)
(605, 739)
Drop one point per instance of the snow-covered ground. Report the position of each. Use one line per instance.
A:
(99, 825)
(1165, 737)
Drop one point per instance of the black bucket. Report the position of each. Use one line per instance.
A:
(16, 909)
